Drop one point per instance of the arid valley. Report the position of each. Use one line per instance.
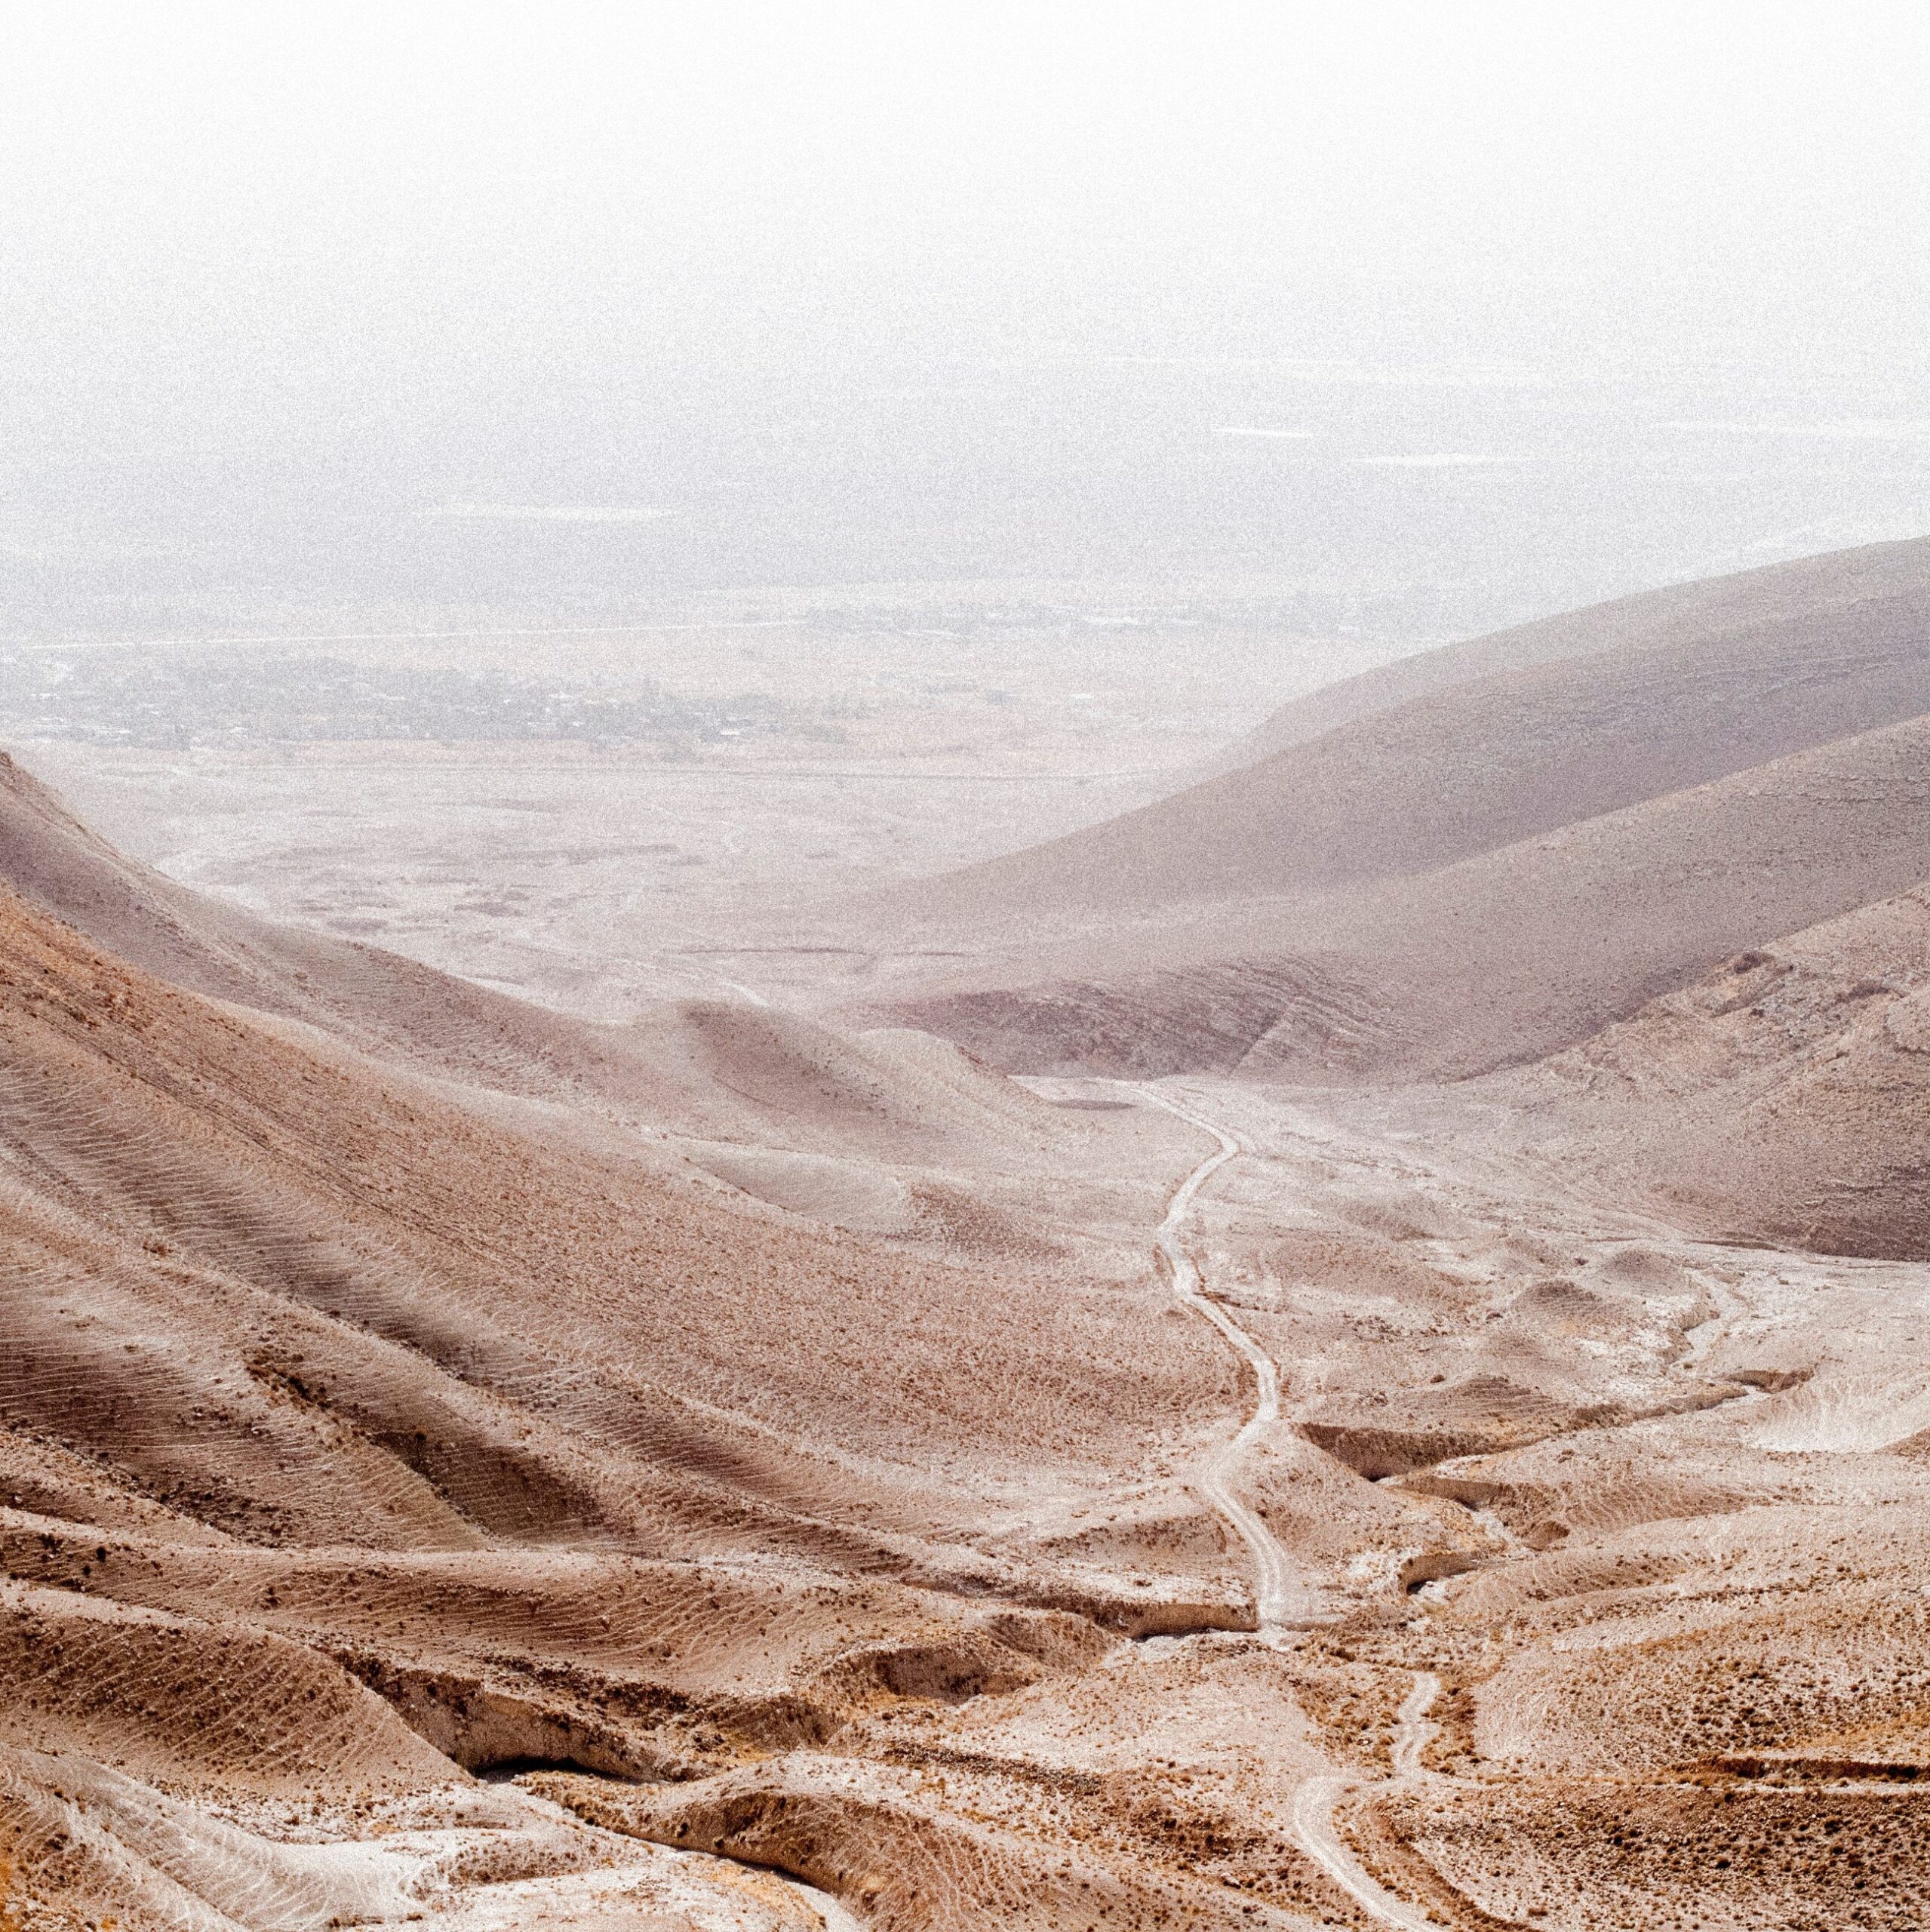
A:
(1161, 1283)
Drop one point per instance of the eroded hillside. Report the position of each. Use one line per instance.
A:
(1411, 1412)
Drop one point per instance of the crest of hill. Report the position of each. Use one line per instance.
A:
(1481, 745)
(1803, 589)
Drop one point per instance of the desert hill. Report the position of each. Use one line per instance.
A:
(891, 1130)
(409, 1511)
(1464, 750)
(364, 1439)
(1471, 877)
(284, 1218)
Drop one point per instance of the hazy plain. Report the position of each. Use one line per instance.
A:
(552, 715)
(722, 771)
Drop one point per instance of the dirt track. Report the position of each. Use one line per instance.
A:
(1276, 1590)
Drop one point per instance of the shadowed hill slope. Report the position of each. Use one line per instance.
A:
(1783, 1097)
(481, 1332)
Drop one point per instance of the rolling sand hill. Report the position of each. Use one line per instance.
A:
(366, 1443)
(236, 1211)
(891, 1131)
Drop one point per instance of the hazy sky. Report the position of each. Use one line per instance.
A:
(240, 215)
(313, 231)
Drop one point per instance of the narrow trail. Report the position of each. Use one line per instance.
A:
(1311, 1820)
(1275, 1590)
(1319, 1837)
(1414, 1730)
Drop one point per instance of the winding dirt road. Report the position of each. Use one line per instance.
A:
(1275, 1592)
(1320, 1838)
(1413, 1728)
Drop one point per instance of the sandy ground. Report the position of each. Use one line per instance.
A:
(461, 1463)
(1518, 1501)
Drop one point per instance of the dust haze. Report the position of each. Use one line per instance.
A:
(964, 967)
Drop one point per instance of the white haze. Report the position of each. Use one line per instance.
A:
(804, 292)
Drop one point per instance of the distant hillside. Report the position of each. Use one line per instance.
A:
(1476, 876)
(1797, 592)
(1524, 732)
